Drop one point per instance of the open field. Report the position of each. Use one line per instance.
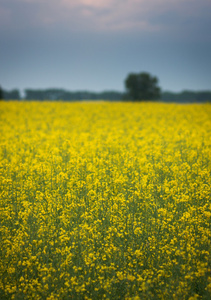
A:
(105, 201)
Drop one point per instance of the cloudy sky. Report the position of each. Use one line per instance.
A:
(94, 44)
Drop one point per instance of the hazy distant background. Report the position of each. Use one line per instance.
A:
(94, 44)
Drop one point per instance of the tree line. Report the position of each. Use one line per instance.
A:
(8, 95)
(138, 87)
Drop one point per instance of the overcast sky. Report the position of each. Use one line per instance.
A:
(94, 44)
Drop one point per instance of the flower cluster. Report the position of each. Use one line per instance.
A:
(105, 201)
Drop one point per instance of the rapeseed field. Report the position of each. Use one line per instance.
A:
(105, 201)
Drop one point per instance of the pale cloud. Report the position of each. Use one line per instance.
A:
(111, 15)
(101, 15)
(97, 3)
(115, 15)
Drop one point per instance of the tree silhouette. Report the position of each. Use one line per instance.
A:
(142, 86)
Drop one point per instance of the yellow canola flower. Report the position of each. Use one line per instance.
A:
(105, 200)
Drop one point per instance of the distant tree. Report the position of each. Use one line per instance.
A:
(1, 94)
(142, 86)
(11, 95)
(187, 97)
